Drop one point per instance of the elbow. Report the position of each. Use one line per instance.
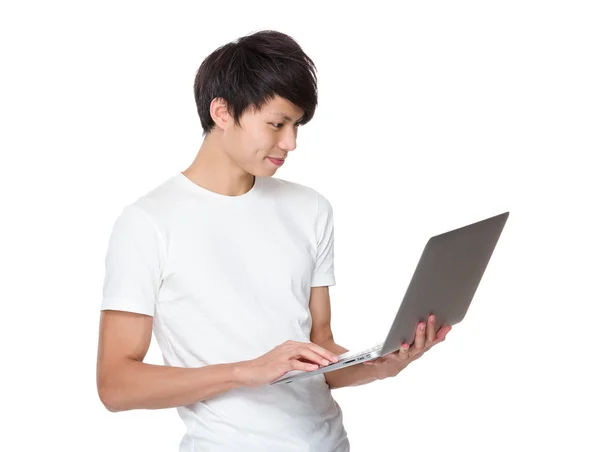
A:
(113, 391)
(111, 398)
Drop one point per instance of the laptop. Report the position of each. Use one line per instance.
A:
(444, 283)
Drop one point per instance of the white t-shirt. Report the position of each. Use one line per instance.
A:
(228, 278)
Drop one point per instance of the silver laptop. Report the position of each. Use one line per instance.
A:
(444, 283)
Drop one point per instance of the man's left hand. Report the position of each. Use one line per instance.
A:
(390, 365)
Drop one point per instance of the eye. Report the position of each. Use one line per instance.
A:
(279, 125)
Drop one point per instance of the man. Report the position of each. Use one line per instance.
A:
(230, 268)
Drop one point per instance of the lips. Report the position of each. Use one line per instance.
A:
(276, 161)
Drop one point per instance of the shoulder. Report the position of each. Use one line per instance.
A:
(153, 206)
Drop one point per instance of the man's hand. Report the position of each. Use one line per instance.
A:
(286, 357)
(426, 337)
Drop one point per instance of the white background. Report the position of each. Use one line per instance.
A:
(431, 116)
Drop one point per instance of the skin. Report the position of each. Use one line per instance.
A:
(229, 158)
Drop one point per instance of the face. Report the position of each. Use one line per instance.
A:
(265, 138)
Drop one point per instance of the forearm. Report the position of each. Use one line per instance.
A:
(137, 385)
(356, 375)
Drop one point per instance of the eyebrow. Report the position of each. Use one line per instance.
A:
(284, 116)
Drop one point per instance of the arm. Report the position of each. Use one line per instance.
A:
(124, 382)
(321, 334)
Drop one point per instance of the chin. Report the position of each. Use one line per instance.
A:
(265, 171)
(262, 172)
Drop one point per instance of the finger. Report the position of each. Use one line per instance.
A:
(299, 365)
(403, 352)
(420, 337)
(294, 349)
(322, 351)
(431, 330)
(441, 334)
(309, 355)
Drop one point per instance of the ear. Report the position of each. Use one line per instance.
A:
(219, 113)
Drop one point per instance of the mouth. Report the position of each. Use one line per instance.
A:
(275, 161)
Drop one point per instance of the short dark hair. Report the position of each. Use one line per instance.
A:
(251, 71)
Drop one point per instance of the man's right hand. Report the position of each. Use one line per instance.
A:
(290, 355)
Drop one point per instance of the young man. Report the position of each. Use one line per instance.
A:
(230, 268)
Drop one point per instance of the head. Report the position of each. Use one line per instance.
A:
(253, 94)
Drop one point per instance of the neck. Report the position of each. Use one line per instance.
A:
(213, 170)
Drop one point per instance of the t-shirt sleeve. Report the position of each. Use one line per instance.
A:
(133, 263)
(324, 274)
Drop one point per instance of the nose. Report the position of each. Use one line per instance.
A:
(288, 141)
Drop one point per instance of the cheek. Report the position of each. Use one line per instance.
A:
(244, 146)
(263, 143)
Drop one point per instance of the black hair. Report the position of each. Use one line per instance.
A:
(249, 72)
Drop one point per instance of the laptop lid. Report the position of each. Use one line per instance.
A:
(445, 279)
